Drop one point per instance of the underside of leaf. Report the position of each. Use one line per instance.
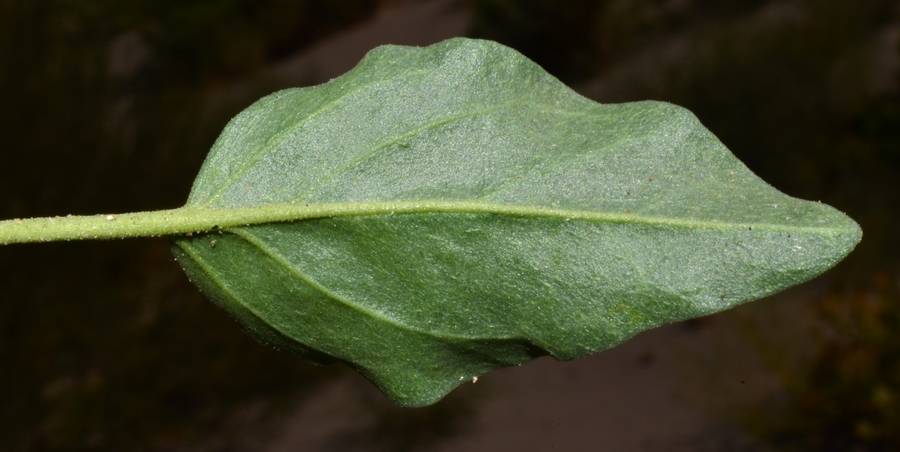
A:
(548, 224)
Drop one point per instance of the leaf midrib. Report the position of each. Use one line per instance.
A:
(286, 212)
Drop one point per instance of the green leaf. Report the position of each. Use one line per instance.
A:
(470, 212)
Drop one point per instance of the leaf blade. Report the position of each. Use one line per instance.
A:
(539, 222)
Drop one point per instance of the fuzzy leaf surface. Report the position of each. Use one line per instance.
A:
(484, 215)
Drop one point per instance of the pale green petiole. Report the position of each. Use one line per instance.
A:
(191, 220)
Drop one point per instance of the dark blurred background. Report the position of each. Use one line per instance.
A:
(109, 106)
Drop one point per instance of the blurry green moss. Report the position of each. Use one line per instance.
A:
(849, 397)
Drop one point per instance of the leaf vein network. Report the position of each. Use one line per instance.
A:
(261, 244)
